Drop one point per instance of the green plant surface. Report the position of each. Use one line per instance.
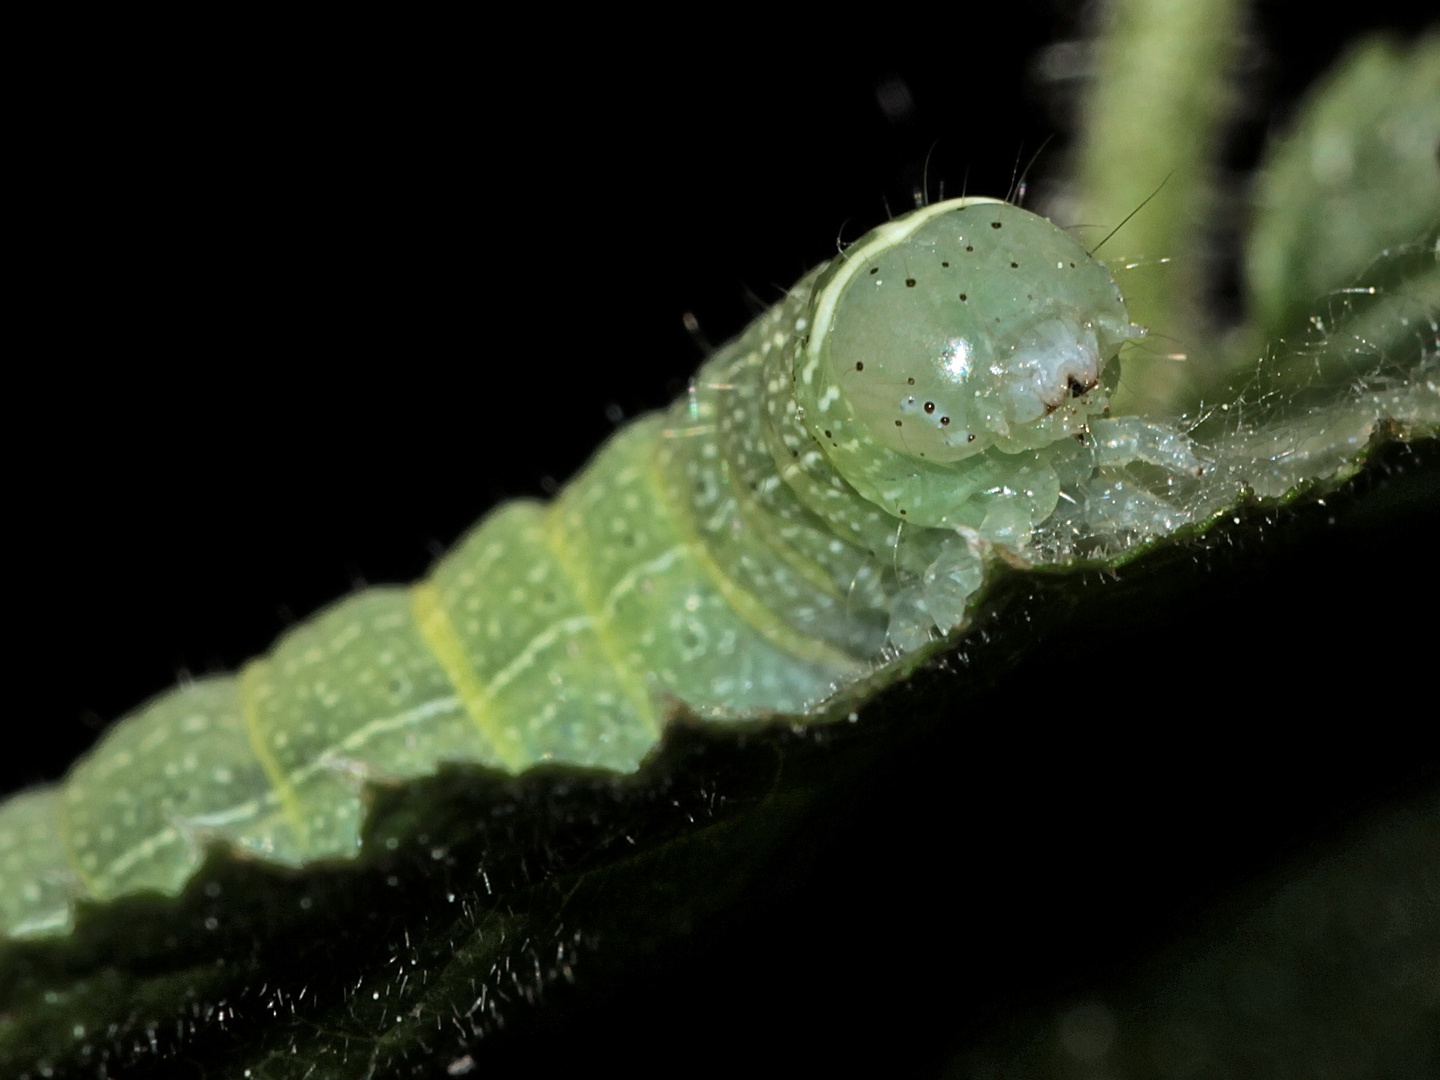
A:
(1356, 174)
(1151, 126)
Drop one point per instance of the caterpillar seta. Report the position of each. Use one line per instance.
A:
(823, 499)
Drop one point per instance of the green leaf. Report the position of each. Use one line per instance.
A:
(1358, 173)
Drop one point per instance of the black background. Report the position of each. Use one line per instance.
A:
(300, 303)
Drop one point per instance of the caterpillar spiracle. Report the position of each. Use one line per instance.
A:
(822, 498)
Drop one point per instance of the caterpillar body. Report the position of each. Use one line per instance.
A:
(823, 497)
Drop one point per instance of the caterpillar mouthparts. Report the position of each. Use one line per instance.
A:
(812, 505)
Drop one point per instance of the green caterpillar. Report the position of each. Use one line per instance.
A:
(821, 499)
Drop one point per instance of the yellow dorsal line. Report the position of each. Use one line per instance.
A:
(756, 518)
(260, 747)
(553, 529)
(72, 858)
(438, 633)
(759, 522)
(753, 513)
(754, 612)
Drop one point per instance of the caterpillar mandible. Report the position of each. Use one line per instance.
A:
(823, 497)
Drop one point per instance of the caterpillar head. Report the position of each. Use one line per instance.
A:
(965, 325)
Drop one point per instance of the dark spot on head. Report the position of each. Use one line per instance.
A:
(929, 406)
(962, 296)
(944, 262)
(911, 380)
(944, 420)
(969, 247)
(874, 269)
(1014, 266)
(902, 511)
(970, 437)
(909, 282)
(828, 435)
(898, 424)
(1072, 266)
(859, 365)
(1029, 296)
(994, 224)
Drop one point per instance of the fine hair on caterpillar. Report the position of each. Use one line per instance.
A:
(825, 496)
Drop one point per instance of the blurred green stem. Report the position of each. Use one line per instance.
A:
(1160, 95)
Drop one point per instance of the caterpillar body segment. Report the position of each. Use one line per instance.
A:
(824, 493)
